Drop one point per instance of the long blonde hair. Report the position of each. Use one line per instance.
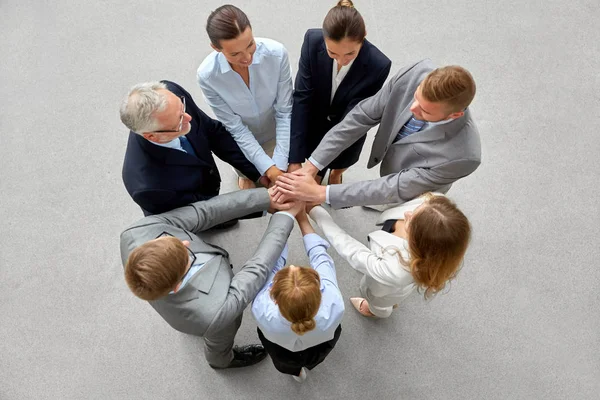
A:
(297, 292)
(438, 237)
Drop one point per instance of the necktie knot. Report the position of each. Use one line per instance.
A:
(185, 145)
(413, 125)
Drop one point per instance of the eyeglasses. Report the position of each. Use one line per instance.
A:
(190, 253)
(180, 120)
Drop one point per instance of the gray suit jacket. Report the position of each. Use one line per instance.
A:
(430, 160)
(214, 297)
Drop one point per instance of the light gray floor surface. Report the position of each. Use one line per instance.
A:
(520, 321)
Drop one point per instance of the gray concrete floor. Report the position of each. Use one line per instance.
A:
(520, 322)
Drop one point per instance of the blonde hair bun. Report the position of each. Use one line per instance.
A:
(301, 327)
(345, 3)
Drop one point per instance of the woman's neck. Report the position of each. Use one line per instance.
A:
(400, 229)
(239, 69)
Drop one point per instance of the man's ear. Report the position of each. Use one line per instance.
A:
(150, 137)
(215, 48)
(456, 115)
(176, 288)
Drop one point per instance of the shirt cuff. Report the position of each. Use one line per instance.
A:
(313, 240)
(263, 163)
(316, 163)
(327, 194)
(280, 162)
(286, 213)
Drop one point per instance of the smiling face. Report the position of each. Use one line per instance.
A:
(343, 51)
(429, 111)
(239, 51)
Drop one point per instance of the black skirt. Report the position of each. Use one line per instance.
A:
(290, 362)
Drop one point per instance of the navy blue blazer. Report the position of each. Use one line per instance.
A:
(313, 115)
(160, 179)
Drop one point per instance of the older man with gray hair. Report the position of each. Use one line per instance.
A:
(169, 158)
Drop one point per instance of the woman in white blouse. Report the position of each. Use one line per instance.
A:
(421, 245)
(248, 84)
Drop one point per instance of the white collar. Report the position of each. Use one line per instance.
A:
(173, 144)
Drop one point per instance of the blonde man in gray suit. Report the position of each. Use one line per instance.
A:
(190, 282)
(426, 140)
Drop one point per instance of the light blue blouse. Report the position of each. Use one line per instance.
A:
(331, 311)
(257, 114)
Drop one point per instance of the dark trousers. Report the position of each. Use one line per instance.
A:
(290, 362)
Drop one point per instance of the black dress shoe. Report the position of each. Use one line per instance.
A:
(244, 356)
(226, 225)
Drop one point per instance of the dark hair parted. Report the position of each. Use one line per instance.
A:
(344, 21)
(225, 23)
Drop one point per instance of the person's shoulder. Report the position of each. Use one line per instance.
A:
(313, 35)
(270, 47)
(333, 307)
(209, 66)
(378, 57)
(174, 87)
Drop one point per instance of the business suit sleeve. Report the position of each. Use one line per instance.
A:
(246, 284)
(203, 215)
(227, 149)
(355, 125)
(400, 187)
(359, 256)
(283, 113)
(301, 109)
(240, 132)
(158, 201)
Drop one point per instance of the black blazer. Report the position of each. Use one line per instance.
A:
(312, 114)
(160, 179)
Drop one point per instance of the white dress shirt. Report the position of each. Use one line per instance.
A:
(276, 328)
(256, 114)
(338, 76)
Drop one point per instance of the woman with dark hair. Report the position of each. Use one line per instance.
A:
(338, 68)
(421, 245)
(247, 82)
(300, 309)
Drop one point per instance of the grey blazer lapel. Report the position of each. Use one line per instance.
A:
(398, 124)
(200, 246)
(205, 278)
(202, 281)
(428, 135)
(385, 137)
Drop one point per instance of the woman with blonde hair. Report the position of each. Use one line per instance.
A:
(421, 245)
(338, 68)
(299, 310)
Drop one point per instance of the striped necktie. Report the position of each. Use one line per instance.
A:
(185, 145)
(413, 125)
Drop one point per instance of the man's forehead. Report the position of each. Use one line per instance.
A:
(168, 95)
(173, 102)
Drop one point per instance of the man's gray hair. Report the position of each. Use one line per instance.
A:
(140, 103)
